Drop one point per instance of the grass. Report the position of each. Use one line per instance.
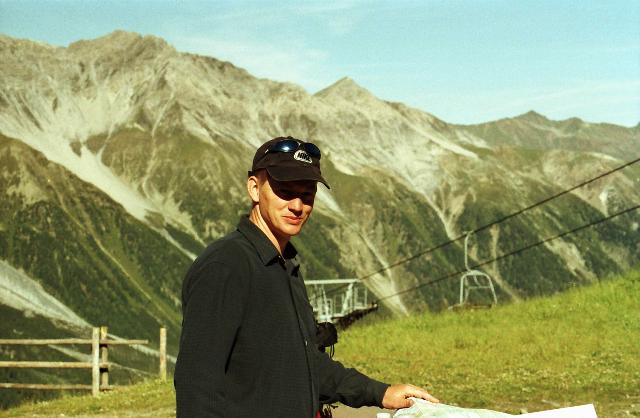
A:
(149, 399)
(581, 346)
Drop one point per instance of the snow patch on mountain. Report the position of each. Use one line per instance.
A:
(471, 139)
(572, 257)
(21, 292)
(447, 145)
(59, 132)
(50, 129)
(602, 156)
(604, 197)
(383, 284)
(176, 244)
(169, 207)
(327, 203)
(29, 189)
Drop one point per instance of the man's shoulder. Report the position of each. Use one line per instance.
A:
(223, 260)
(227, 255)
(227, 250)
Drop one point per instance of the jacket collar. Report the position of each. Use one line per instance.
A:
(264, 247)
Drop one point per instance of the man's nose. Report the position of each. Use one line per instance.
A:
(295, 205)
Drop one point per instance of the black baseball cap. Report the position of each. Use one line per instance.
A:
(289, 159)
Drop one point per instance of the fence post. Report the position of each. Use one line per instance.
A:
(104, 359)
(163, 354)
(95, 360)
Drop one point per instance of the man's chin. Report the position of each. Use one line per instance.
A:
(294, 231)
(291, 230)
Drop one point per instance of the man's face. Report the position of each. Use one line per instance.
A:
(286, 206)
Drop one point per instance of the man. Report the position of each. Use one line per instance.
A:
(247, 347)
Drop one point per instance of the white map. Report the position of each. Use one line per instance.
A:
(425, 409)
(582, 411)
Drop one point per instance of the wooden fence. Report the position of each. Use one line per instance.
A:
(99, 363)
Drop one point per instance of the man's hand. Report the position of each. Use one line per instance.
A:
(396, 396)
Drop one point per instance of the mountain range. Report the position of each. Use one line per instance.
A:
(121, 158)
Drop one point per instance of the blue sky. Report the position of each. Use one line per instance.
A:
(463, 61)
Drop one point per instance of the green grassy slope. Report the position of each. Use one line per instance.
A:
(577, 347)
(85, 250)
(130, 365)
(573, 348)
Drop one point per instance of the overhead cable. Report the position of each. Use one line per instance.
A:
(489, 225)
(512, 253)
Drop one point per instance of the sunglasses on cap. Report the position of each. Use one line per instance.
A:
(291, 145)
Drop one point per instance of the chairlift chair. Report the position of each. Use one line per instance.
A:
(474, 280)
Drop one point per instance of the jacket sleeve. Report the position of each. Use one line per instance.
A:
(348, 386)
(336, 382)
(213, 301)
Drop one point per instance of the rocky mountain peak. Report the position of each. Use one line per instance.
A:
(532, 116)
(121, 42)
(8, 43)
(345, 88)
(346, 83)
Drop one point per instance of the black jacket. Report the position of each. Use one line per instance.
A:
(247, 347)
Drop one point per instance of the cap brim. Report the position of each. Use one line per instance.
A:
(297, 173)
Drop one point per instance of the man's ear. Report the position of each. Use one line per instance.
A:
(253, 188)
